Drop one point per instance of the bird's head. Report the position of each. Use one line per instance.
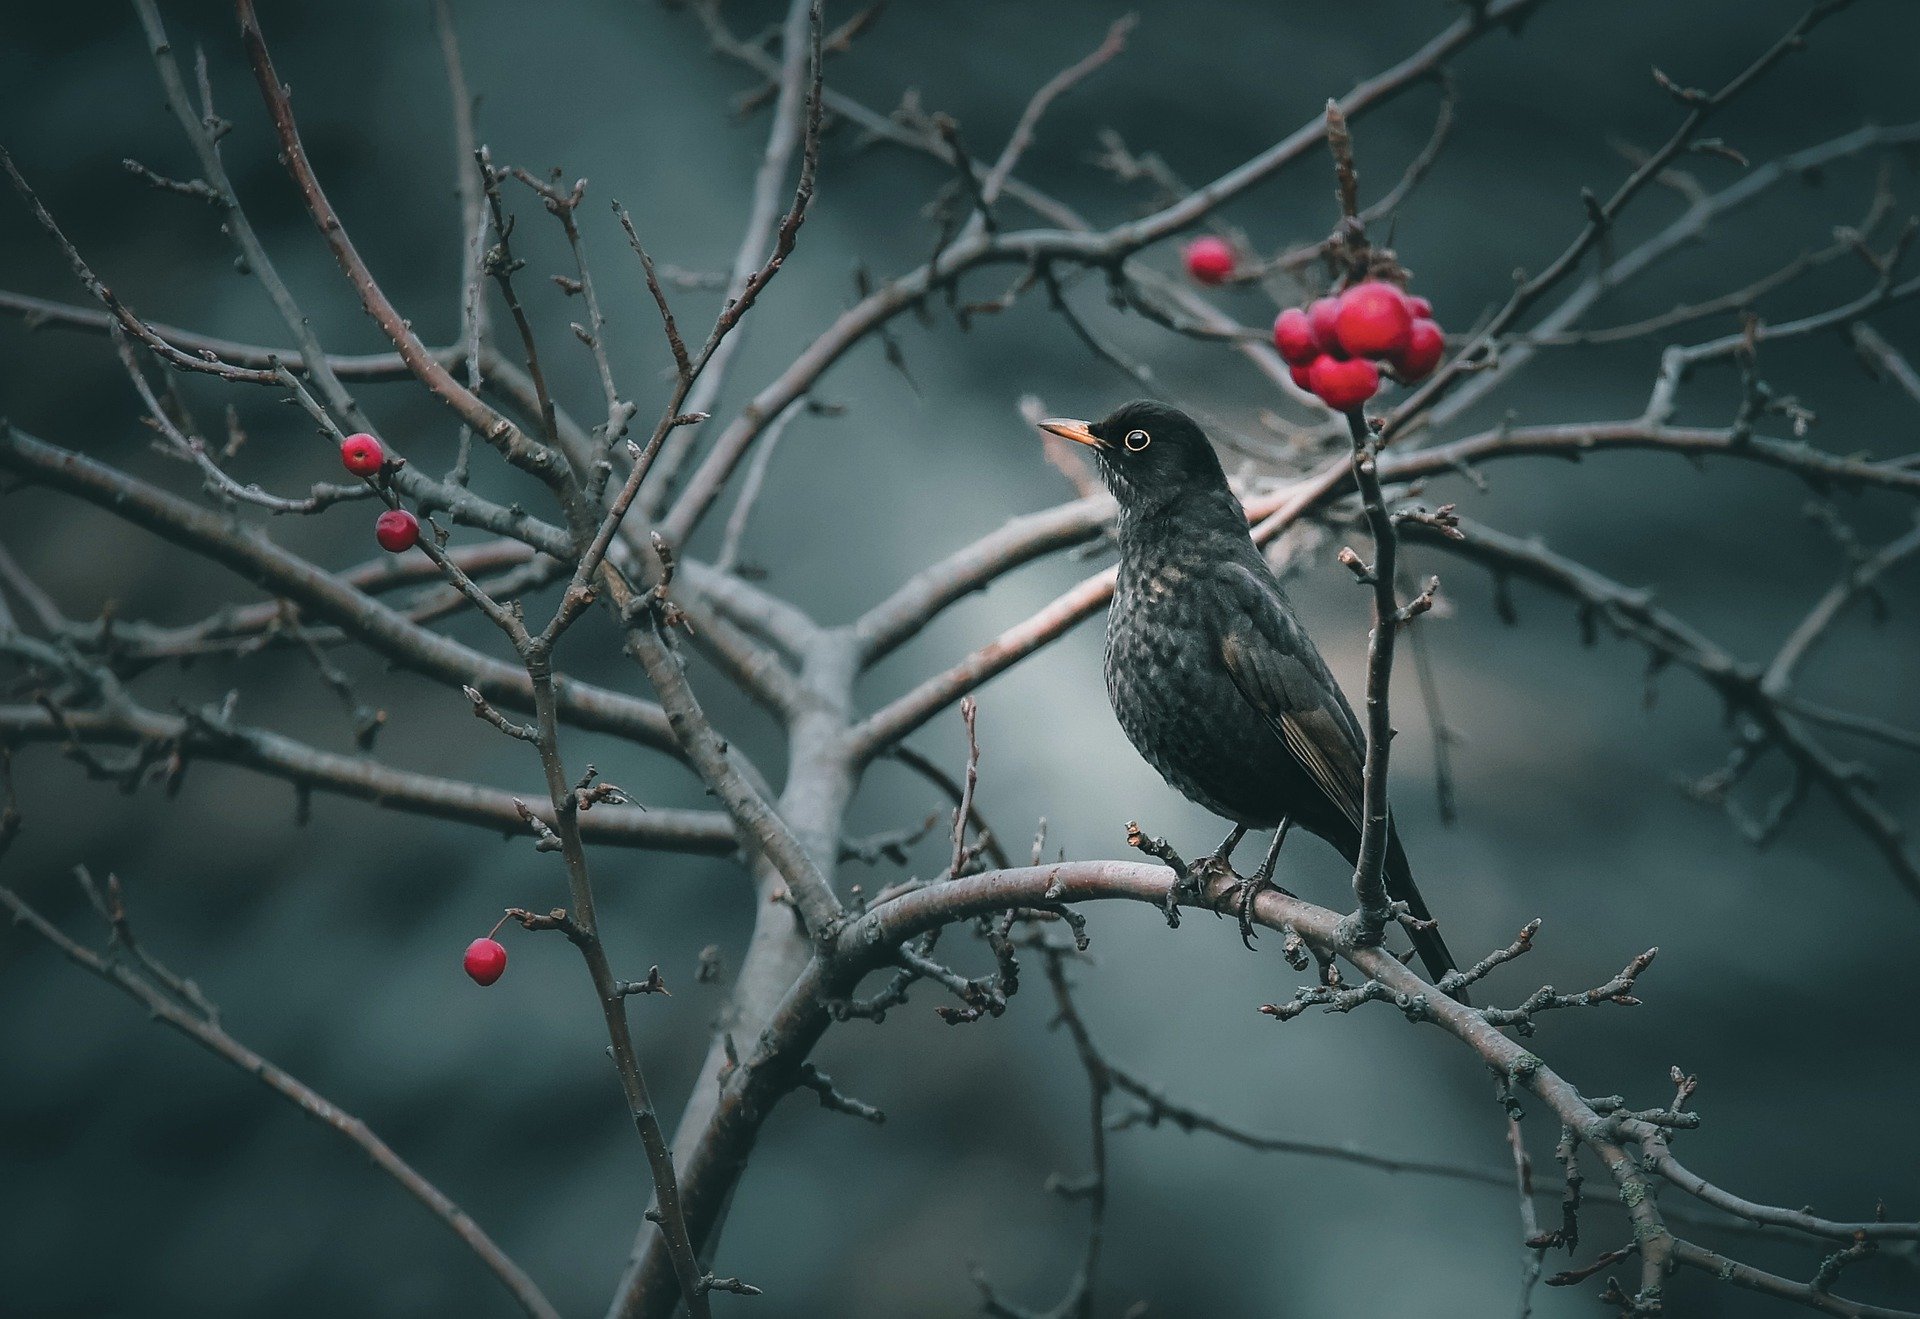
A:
(1150, 454)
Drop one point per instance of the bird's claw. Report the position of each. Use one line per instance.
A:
(1241, 897)
(1245, 893)
(1171, 906)
(1190, 885)
(1203, 871)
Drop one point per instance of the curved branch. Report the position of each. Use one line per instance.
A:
(1771, 1284)
(1654, 1141)
(1858, 579)
(888, 725)
(916, 602)
(710, 1170)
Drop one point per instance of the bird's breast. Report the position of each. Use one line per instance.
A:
(1172, 695)
(1161, 586)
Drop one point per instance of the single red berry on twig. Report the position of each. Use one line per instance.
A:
(1343, 385)
(1293, 336)
(1373, 320)
(1210, 259)
(486, 960)
(1426, 345)
(397, 531)
(361, 454)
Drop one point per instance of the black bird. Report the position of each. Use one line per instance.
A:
(1211, 674)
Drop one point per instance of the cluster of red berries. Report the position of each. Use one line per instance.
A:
(1334, 344)
(396, 529)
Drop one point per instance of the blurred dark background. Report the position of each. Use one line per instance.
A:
(139, 1176)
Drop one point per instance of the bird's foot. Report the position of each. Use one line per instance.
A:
(1203, 871)
(1244, 893)
(1249, 891)
(1180, 890)
(1197, 882)
(1240, 897)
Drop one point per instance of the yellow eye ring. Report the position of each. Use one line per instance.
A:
(1137, 440)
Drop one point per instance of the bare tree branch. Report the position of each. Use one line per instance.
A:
(205, 1030)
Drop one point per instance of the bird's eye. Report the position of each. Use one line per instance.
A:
(1137, 440)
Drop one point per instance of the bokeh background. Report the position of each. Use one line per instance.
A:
(139, 1176)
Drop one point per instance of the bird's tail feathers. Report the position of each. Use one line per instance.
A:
(1433, 951)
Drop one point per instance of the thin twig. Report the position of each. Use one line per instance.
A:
(205, 1030)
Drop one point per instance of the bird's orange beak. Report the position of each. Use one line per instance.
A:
(1069, 429)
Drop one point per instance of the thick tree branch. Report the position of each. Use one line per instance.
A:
(771, 1067)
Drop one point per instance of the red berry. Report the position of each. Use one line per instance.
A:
(1210, 259)
(1421, 309)
(1321, 314)
(1373, 320)
(1303, 376)
(361, 454)
(1426, 345)
(397, 531)
(1293, 335)
(1343, 385)
(486, 961)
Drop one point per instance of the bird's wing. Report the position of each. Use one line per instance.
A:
(1276, 667)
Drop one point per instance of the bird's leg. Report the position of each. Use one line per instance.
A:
(1249, 889)
(1220, 863)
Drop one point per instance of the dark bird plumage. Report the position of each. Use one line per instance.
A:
(1208, 668)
